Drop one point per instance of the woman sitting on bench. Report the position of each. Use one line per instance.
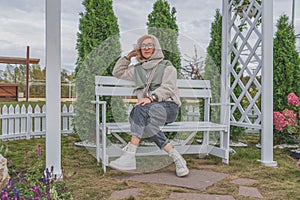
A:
(158, 101)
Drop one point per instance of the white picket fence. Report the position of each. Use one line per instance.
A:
(21, 122)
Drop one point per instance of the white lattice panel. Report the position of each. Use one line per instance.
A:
(245, 63)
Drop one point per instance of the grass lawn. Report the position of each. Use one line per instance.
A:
(89, 182)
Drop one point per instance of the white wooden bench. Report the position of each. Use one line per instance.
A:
(190, 89)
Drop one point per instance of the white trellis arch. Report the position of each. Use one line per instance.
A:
(249, 52)
(263, 43)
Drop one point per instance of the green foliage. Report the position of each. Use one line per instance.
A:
(213, 63)
(214, 56)
(162, 24)
(214, 48)
(236, 131)
(96, 24)
(286, 64)
(98, 50)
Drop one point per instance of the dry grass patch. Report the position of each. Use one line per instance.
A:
(85, 178)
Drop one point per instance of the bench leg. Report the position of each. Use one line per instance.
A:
(97, 134)
(206, 138)
(204, 151)
(104, 155)
(104, 151)
(224, 144)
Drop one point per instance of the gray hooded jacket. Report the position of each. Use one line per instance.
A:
(168, 90)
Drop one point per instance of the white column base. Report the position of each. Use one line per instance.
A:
(269, 163)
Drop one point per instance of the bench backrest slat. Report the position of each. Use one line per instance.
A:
(181, 83)
(201, 84)
(192, 93)
(115, 91)
(111, 86)
(110, 80)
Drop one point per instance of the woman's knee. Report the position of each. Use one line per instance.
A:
(137, 112)
(139, 109)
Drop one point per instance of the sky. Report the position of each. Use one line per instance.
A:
(22, 23)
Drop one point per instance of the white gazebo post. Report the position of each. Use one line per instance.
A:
(225, 74)
(53, 62)
(249, 40)
(267, 85)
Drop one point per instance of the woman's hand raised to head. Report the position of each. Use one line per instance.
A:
(131, 54)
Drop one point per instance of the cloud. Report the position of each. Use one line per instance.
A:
(22, 23)
(132, 14)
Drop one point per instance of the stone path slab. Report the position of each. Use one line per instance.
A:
(124, 193)
(250, 192)
(197, 179)
(176, 195)
(242, 181)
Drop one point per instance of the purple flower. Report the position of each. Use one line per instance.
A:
(4, 195)
(47, 174)
(44, 180)
(37, 191)
(16, 193)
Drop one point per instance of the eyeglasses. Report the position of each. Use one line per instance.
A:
(147, 46)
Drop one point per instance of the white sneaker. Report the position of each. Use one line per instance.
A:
(127, 161)
(180, 163)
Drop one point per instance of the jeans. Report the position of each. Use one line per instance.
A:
(146, 120)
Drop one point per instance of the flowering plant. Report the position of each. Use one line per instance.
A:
(35, 183)
(287, 122)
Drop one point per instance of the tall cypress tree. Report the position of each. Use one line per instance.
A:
(98, 49)
(213, 62)
(285, 64)
(162, 24)
(214, 54)
(96, 24)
